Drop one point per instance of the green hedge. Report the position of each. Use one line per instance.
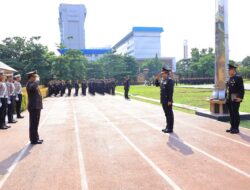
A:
(44, 92)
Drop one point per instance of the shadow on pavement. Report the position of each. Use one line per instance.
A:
(8, 162)
(175, 143)
(245, 137)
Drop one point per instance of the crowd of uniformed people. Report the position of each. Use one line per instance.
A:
(10, 98)
(63, 88)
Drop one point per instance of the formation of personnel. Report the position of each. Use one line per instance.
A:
(100, 86)
(10, 98)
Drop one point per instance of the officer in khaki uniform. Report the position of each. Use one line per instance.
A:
(167, 89)
(34, 106)
(234, 95)
(18, 93)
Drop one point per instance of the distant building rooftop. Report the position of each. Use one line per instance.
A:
(89, 51)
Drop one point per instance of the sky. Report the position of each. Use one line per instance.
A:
(110, 20)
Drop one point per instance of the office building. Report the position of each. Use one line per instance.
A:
(71, 23)
(141, 43)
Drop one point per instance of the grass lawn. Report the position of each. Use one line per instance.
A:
(247, 81)
(188, 96)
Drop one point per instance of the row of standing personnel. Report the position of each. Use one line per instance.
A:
(59, 87)
(10, 98)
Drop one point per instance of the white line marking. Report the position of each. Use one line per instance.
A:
(206, 131)
(199, 150)
(21, 154)
(147, 159)
(84, 184)
(213, 133)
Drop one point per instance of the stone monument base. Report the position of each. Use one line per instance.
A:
(219, 111)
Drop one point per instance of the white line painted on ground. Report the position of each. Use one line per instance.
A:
(84, 183)
(22, 153)
(147, 159)
(213, 133)
(153, 126)
(206, 131)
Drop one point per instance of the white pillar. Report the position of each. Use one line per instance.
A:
(221, 49)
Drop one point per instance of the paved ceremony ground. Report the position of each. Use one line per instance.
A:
(108, 143)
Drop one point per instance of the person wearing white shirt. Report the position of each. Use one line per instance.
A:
(18, 93)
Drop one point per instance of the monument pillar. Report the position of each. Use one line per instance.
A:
(217, 101)
(218, 108)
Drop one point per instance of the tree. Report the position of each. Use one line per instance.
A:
(113, 66)
(94, 70)
(132, 66)
(26, 55)
(246, 62)
(70, 66)
(201, 64)
(154, 66)
(245, 67)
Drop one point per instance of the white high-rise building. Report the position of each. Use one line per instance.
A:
(71, 22)
(185, 45)
(141, 43)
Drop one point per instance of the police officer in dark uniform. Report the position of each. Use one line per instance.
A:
(126, 87)
(84, 87)
(34, 106)
(167, 89)
(235, 94)
(112, 86)
(76, 85)
(69, 87)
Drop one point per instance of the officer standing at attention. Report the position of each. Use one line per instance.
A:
(3, 101)
(84, 87)
(126, 87)
(167, 89)
(34, 106)
(235, 94)
(11, 98)
(18, 92)
(69, 87)
(76, 85)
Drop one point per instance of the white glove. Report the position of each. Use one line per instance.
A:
(8, 102)
(17, 99)
(1, 104)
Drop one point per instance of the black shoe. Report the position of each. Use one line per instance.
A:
(235, 132)
(37, 142)
(20, 117)
(3, 128)
(12, 122)
(229, 130)
(164, 130)
(169, 131)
